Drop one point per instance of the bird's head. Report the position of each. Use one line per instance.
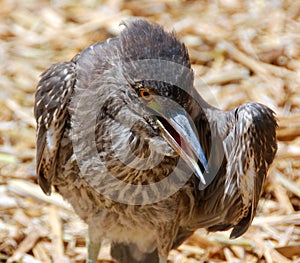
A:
(168, 106)
(157, 66)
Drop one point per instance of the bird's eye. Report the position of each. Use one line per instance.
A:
(145, 94)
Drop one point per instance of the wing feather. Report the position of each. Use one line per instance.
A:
(250, 148)
(51, 99)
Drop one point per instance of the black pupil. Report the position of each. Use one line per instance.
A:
(146, 94)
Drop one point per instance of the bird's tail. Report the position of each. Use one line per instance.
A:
(129, 253)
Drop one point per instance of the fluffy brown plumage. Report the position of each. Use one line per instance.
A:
(101, 147)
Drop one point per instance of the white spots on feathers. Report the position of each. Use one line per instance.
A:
(51, 144)
(246, 184)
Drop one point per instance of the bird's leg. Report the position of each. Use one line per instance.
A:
(163, 260)
(165, 238)
(93, 245)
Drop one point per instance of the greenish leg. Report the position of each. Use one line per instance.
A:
(93, 246)
(163, 260)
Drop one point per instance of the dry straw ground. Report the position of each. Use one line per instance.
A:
(241, 51)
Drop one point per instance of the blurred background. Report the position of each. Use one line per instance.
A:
(241, 50)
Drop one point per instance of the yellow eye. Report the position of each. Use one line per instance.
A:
(145, 94)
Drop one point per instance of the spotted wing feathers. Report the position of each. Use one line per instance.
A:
(250, 148)
(51, 100)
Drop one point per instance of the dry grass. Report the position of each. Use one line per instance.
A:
(241, 51)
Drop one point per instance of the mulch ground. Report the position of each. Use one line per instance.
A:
(241, 51)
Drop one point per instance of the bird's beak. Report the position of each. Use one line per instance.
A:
(178, 129)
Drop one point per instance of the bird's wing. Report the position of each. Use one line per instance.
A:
(50, 110)
(249, 148)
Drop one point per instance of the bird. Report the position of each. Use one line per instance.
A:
(125, 137)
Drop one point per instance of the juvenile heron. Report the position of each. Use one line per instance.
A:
(123, 135)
